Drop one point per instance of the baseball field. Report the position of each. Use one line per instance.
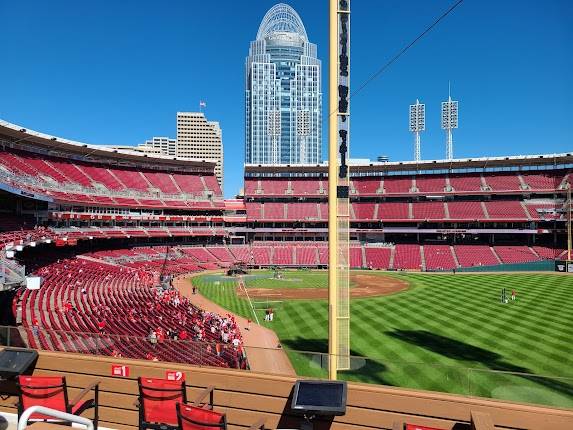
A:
(441, 332)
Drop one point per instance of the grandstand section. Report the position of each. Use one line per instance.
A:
(507, 201)
(106, 231)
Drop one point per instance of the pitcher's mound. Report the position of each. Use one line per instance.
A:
(364, 285)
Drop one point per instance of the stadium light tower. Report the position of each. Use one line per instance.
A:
(417, 125)
(449, 122)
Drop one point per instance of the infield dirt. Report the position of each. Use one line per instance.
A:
(364, 285)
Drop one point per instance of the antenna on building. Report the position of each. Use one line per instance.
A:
(417, 125)
(449, 122)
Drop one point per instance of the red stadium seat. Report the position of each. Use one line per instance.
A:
(52, 392)
(195, 418)
(157, 402)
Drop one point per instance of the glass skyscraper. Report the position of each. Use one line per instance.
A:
(283, 108)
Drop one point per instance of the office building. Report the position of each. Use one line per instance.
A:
(283, 93)
(200, 139)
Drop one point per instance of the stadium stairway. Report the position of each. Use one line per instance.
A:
(455, 256)
(495, 255)
(392, 254)
(534, 252)
(423, 258)
(484, 209)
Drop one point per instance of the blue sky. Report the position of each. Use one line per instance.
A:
(116, 72)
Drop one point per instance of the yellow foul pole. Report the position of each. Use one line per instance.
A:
(569, 208)
(332, 195)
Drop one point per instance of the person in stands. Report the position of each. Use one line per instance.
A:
(153, 338)
(35, 326)
(101, 326)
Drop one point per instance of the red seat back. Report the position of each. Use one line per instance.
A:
(48, 391)
(158, 398)
(194, 418)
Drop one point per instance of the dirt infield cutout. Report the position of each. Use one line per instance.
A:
(364, 286)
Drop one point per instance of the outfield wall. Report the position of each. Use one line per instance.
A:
(534, 266)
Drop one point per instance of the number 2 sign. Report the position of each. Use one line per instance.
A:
(173, 375)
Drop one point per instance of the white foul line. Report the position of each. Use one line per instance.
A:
(242, 284)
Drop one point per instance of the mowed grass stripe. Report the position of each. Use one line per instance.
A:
(444, 320)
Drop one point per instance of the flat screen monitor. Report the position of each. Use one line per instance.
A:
(319, 397)
(14, 362)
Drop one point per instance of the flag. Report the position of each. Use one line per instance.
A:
(202, 104)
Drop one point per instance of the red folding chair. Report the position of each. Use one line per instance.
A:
(195, 418)
(157, 401)
(52, 392)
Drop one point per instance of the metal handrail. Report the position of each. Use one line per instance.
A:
(23, 422)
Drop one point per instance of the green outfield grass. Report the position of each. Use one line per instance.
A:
(430, 335)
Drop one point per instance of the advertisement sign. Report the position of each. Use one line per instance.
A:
(564, 266)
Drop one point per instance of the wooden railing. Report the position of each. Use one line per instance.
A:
(246, 397)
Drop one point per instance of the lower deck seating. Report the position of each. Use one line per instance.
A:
(90, 307)
(378, 257)
(407, 257)
(439, 257)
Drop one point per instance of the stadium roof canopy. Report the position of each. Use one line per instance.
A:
(525, 162)
(19, 137)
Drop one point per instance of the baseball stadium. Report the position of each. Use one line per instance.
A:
(130, 280)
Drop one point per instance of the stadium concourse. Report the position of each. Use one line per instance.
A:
(102, 226)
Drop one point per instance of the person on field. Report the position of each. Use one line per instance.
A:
(513, 294)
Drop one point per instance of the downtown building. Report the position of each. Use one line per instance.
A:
(197, 139)
(283, 97)
(200, 139)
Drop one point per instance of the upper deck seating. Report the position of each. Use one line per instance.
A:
(397, 184)
(366, 186)
(302, 211)
(465, 211)
(274, 211)
(503, 181)
(274, 187)
(62, 178)
(363, 211)
(428, 210)
(393, 211)
(162, 181)
(465, 182)
(506, 210)
(542, 180)
(305, 187)
(431, 183)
